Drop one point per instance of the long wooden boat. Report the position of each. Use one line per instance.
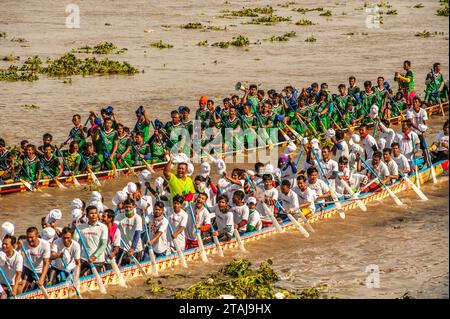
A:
(105, 175)
(88, 283)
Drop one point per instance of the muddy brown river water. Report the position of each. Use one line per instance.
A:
(409, 244)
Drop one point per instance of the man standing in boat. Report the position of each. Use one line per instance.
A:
(180, 183)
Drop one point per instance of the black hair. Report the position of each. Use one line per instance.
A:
(343, 160)
(311, 170)
(388, 150)
(66, 230)
(367, 84)
(32, 230)
(340, 135)
(128, 201)
(286, 183)
(407, 62)
(91, 207)
(377, 154)
(239, 194)
(224, 197)
(178, 199)
(110, 213)
(11, 237)
(159, 204)
(267, 177)
(47, 135)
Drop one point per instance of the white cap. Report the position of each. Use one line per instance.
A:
(190, 169)
(159, 182)
(422, 128)
(95, 196)
(145, 176)
(277, 172)
(355, 138)
(77, 203)
(304, 141)
(55, 214)
(119, 196)
(180, 158)
(268, 169)
(48, 233)
(291, 148)
(381, 143)
(144, 202)
(76, 214)
(251, 200)
(250, 173)
(331, 133)
(100, 207)
(201, 187)
(131, 188)
(315, 141)
(374, 111)
(205, 169)
(7, 228)
(221, 166)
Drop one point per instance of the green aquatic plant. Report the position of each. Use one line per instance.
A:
(427, 34)
(284, 37)
(101, 48)
(11, 58)
(239, 41)
(2, 34)
(304, 22)
(326, 13)
(286, 4)
(269, 20)
(310, 39)
(161, 45)
(442, 11)
(203, 43)
(391, 12)
(249, 12)
(304, 10)
(20, 40)
(193, 25)
(30, 106)
(418, 6)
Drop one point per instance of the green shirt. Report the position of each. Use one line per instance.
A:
(143, 127)
(51, 167)
(30, 168)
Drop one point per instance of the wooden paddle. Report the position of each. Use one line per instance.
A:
(177, 246)
(115, 268)
(414, 187)
(360, 204)
(293, 220)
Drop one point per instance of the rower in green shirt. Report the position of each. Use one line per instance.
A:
(157, 147)
(108, 145)
(72, 158)
(381, 95)
(434, 90)
(78, 133)
(142, 123)
(91, 160)
(123, 153)
(140, 151)
(367, 100)
(30, 166)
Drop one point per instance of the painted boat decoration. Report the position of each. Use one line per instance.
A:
(105, 175)
(88, 283)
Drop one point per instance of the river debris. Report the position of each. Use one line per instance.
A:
(418, 6)
(443, 10)
(11, 58)
(268, 20)
(20, 40)
(326, 13)
(311, 39)
(239, 41)
(304, 10)
(30, 106)
(248, 12)
(427, 34)
(2, 34)
(305, 22)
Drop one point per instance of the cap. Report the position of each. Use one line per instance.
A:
(131, 188)
(144, 202)
(119, 196)
(221, 166)
(331, 133)
(203, 99)
(77, 203)
(159, 182)
(205, 169)
(7, 229)
(96, 196)
(76, 214)
(48, 233)
(190, 169)
(356, 138)
(250, 173)
(251, 200)
(268, 169)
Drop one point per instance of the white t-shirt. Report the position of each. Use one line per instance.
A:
(240, 213)
(160, 246)
(37, 254)
(406, 145)
(441, 139)
(402, 162)
(381, 169)
(307, 195)
(127, 227)
(92, 236)
(224, 221)
(289, 201)
(352, 162)
(386, 134)
(70, 254)
(11, 266)
(176, 221)
(392, 167)
(344, 151)
(367, 145)
(202, 217)
(417, 117)
(319, 188)
(339, 185)
(254, 219)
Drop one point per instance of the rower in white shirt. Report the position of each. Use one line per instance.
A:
(157, 231)
(379, 167)
(306, 196)
(417, 115)
(320, 188)
(178, 219)
(400, 159)
(11, 263)
(386, 135)
(440, 143)
(406, 139)
(224, 219)
(368, 142)
(355, 149)
(329, 165)
(340, 148)
(390, 163)
(288, 198)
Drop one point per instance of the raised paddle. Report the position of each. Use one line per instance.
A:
(390, 192)
(293, 220)
(430, 164)
(97, 277)
(33, 270)
(332, 190)
(198, 235)
(414, 187)
(115, 268)
(177, 246)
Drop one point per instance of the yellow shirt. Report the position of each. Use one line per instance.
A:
(177, 186)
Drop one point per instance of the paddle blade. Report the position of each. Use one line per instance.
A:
(239, 240)
(120, 278)
(298, 226)
(75, 181)
(180, 254)
(202, 248)
(394, 197)
(97, 277)
(154, 265)
(219, 248)
(416, 189)
(44, 291)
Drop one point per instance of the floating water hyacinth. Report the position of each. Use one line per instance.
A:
(161, 45)
(305, 22)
